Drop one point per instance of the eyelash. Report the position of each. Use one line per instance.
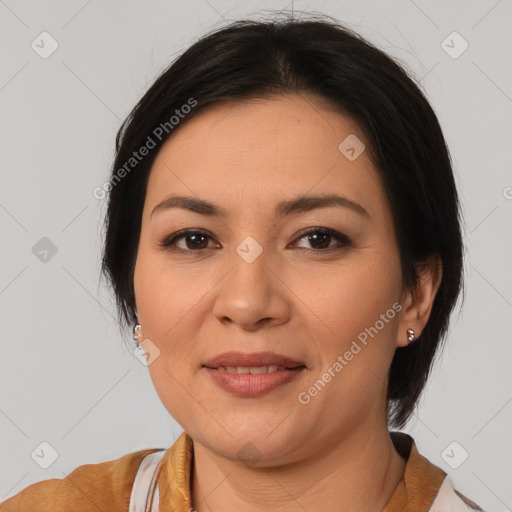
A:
(339, 237)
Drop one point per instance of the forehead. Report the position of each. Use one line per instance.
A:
(256, 152)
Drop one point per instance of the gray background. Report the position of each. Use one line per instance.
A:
(66, 375)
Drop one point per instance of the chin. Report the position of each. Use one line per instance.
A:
(254, 444)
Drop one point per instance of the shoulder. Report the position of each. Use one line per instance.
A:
(425, 485)
(91, 487)
(449, 499)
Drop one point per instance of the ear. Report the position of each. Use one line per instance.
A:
(417, 305)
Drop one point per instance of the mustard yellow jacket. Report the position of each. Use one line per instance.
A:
(107, 486)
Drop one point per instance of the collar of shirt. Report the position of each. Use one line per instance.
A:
(416, 491)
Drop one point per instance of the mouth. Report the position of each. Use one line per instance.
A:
(252, 375)
(255, 360)
(253, 370)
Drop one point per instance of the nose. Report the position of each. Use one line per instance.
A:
(252, 294)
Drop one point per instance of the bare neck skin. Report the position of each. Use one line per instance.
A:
(359, 474)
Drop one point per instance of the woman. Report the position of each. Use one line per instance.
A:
(283, 230)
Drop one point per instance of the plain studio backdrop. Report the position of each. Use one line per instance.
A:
(70, 71)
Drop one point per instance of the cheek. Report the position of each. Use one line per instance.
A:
(352, 298)
(164, 294)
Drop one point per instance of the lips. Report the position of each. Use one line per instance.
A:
(252, 375)
(252, 360)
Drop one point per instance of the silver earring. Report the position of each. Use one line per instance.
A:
(136, 336)
(410, 335)
(136, 333)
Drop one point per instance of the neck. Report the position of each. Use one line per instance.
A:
(358, 473)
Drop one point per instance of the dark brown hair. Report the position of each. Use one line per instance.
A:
(261, 59)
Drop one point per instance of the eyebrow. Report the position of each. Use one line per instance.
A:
(298, 204)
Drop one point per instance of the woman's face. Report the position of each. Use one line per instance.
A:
(252, 281)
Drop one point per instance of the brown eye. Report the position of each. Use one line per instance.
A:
(320, 239)
(194, 240)
(197, 241)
